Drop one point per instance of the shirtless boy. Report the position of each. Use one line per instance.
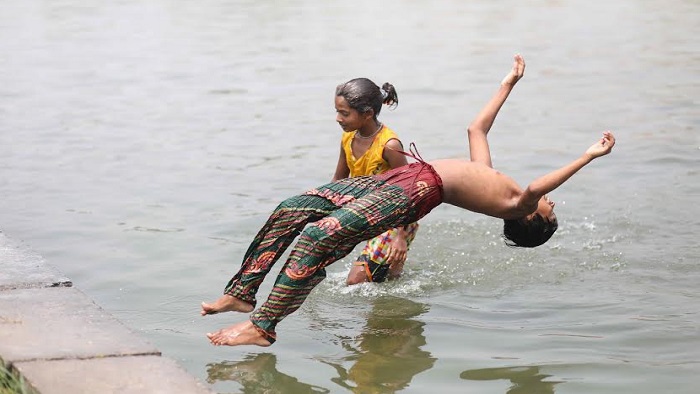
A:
(335, 217)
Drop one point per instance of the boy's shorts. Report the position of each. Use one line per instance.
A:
(373, 256)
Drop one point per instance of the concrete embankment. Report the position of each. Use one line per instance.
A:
(60, 341)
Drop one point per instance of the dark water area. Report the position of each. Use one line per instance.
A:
(143, 143)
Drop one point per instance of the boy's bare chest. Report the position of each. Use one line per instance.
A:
(477, 187)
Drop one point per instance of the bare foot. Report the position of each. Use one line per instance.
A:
(238, 334)
(226, 303)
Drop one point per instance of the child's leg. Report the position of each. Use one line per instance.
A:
(324, 242)
(360, 271)
(284, 224)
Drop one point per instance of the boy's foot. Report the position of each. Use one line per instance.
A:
(238, 334)
(226, 303)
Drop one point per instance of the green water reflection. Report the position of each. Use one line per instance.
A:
(258, 373)
(525, 380)
(387, 354)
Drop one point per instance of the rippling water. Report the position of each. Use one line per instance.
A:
(142, 144)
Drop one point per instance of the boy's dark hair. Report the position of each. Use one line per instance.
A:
(362, 95)
(528, 233)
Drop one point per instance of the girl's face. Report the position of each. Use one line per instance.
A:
(348, 118)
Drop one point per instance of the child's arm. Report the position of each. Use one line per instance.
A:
(398, 249)
(392, 155)
(341, 169)
(554, 179)
(478, 143)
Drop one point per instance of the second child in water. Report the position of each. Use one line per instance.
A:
(368, 147)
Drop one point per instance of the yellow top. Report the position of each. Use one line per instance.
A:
(371, 162)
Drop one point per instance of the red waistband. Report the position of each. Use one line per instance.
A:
(420, 182)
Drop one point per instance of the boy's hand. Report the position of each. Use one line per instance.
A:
(516, 73)
(602, 147)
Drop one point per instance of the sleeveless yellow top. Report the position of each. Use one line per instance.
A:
(372, 162)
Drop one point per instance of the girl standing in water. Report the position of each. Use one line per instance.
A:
(368, 147)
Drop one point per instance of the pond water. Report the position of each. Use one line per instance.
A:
(143, 143)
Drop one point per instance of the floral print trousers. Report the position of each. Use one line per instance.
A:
(331, 220)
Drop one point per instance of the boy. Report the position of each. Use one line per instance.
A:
(342, 214)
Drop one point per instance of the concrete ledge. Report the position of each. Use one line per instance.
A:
(61, 322)
(62, 342)
(138, 374)
(23, 269)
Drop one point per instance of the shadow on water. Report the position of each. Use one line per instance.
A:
(258, 373)
(525, 380)
(388, 353)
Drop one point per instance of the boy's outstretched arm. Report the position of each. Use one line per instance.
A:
(554, 179)
(479, 128)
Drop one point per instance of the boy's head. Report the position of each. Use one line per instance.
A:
(534, 229)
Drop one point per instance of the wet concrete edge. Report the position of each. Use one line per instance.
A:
(60, 341)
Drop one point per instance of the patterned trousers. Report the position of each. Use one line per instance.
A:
(331, 220)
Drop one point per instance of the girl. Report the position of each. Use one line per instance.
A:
(368, 147)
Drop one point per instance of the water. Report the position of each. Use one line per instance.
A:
(142, 144)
